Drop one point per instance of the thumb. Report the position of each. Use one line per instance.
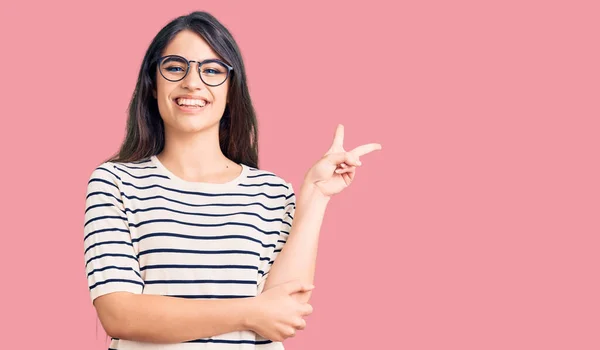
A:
(297, 286)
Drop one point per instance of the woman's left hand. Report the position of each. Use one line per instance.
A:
(337, 168)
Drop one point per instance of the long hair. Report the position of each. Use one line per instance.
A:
(238, 128)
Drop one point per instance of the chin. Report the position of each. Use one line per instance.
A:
(194, 125)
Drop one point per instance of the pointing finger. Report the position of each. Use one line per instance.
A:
(338, 139)
(365, 149)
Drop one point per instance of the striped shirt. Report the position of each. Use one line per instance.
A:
(147, 231)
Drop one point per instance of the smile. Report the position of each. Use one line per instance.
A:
(186, 102)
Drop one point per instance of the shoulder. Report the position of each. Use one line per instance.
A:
(264, 175)
(115, 171)
(269, 178)
(105, 171)
(112, 172)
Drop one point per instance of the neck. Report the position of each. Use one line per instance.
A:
(194, 155)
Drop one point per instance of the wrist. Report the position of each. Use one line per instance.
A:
(310, 191)
(249, 313)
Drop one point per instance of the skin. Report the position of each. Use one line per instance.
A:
(192, 152)
(192, 149)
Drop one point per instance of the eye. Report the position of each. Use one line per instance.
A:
(211, 71)
(174, 69)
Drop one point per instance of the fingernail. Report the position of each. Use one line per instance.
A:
(358, 162)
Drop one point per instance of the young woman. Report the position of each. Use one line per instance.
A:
(188, 245)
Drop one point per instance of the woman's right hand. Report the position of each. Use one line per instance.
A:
(276, 315)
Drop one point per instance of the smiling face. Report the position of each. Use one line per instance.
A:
(189, 105)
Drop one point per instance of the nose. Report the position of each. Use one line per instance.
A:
(192, 79)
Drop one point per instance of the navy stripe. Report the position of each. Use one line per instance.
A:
(205, 193)
(99, 206)
(104, 217)
(199, 281)
(179, 235)
(259, 175)
(192, 251)
(107, 242)
(280, 241)
(143, 176)
(203, 214)
(201, 205)
(131, 167)
(204, 225)
(261, 272)
(286, 232)
(277, 250)
(264, 184)
(174, 266)
(211, 296)
(115, 280)
(114, 267)
(110, 254)
(104, 193)
(110, 172)
(105, 230)
(225, 341)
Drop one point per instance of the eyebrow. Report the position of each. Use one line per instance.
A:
(205, 59)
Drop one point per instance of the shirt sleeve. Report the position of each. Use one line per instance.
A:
(111, 263)
(284, 231)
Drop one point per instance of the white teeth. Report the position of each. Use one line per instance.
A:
(190, 102)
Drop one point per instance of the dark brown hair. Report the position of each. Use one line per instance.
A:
(238, 129)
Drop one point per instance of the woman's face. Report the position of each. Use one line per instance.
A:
(203, 105)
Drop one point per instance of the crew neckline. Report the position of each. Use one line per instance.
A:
(200, 185)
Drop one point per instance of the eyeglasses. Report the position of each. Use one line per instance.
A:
(212, 72)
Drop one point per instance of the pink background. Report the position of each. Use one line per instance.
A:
(476, 226)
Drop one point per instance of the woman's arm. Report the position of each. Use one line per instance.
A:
(330, 175)
(162, 319)
(297, 259)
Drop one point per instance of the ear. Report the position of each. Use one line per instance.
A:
(154, 93)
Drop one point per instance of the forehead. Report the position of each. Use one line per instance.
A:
(191, 46)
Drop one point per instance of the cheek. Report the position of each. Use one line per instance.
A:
(162, 97)
(220, 95)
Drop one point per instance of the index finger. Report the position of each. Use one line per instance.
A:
(364, 149)
(338, 138)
